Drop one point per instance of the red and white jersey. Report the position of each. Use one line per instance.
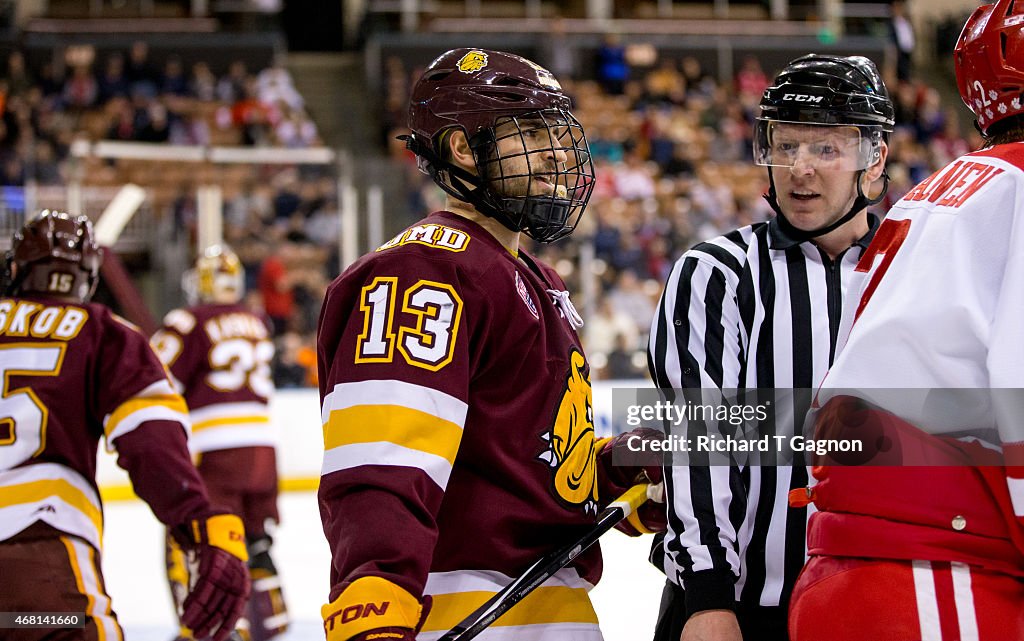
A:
(73, 374)
(458, 428)
(943, 309)
(220, 357)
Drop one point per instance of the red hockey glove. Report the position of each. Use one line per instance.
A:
(215, 545)
(374, 609)
(635, 465)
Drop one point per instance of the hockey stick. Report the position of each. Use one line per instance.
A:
(546, 567)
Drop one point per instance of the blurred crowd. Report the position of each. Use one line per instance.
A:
(672, 150)
(280, 219)
(670, 142)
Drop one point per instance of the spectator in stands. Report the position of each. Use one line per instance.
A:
(296, 130)
(276, 285)
(139, 72)
(603, 328)
(252, 115)
(173, 80)
(122, 120)
(751, 82)
(18, 78)
(698, 83)
(231, 87)
(288, 371)
(157, 126)
(44, 167)
(80, 90)
(611, 67)
(189, 128)
(556, 52)
(665, 85)
(112, 82)
(629, 296)
(901, 35)
(274, 84)
(203, 84)
(623, 360)
(634, 180)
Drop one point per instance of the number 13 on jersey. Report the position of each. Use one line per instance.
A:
(428, 343)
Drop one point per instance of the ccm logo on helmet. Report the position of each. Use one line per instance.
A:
(800, 97)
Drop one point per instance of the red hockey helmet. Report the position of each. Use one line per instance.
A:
(478, 91)
(989, 60)
(55, 254)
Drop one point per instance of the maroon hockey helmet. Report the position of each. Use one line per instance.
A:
(55, 254)
(493, 95)
(989, 61)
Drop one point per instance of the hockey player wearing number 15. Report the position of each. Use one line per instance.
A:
(456, 400)
(219, 353)
(75, 373)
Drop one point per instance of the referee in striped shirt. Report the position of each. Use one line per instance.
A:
(760, 307)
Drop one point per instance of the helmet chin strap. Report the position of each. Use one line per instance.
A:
(800, 235)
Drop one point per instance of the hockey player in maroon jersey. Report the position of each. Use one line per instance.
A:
(219, 354)
(456, 399)
(75, 373)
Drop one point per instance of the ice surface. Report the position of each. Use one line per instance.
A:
(626, 599)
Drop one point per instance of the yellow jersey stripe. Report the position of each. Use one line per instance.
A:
(229, 420)
(37, 491)
(544, 605)
(401, 426)
(172, 402)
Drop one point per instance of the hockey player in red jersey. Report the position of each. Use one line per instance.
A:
(456, 400)
(219, 354)
(75, 373)
(932, 371)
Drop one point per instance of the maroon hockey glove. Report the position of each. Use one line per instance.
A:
(620, 467)
(215, 546)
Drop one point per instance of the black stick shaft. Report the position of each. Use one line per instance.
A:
(545, 568)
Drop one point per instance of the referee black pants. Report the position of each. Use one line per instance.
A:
(758, 623)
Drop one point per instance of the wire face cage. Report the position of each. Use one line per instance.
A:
(538, 170)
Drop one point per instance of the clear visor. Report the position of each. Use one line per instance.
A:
(779, 143)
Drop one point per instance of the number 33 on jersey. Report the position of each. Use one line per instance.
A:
(220, 355)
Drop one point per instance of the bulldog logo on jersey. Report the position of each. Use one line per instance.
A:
(472, 62)
(571, 445)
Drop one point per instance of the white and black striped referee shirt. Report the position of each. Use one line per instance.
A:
(751, 309)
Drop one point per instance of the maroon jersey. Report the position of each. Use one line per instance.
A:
(458, 433)
(220, 357)
(75, 373)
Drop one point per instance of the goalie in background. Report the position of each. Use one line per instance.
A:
(76, 373)
(219, 355)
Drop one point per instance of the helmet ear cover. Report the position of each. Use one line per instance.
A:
(54, 254)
